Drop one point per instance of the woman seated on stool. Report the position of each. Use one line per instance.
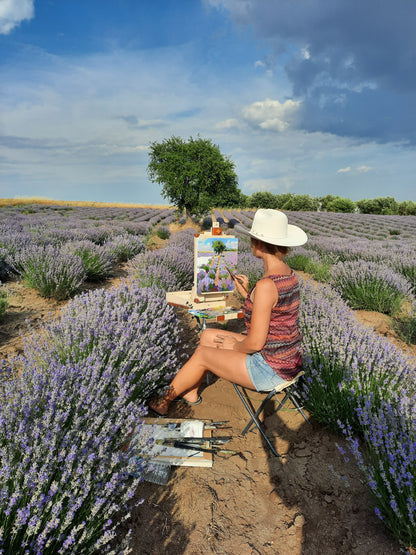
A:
(270, 353)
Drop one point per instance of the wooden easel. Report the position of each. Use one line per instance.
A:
(205, 306)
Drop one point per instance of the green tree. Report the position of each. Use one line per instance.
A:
(282, 199)
(407, 208)
(326, 200)
(301, 203)
(339, 204)
(262, 199)
(379, 205)
(194, 175)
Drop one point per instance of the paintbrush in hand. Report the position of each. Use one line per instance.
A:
(235, 278)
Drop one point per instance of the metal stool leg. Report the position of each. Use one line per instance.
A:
(255, 421)
(296, 404)
(254, 418)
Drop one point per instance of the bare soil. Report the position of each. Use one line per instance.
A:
(307, 501)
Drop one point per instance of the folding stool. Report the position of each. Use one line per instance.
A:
(254, 420)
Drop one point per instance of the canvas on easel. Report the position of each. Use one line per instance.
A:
(215, 256)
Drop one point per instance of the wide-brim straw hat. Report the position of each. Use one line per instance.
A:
(271, 226)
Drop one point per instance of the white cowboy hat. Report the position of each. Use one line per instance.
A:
(271, 226)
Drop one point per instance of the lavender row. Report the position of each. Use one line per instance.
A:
(64, 420)
(170, 268)
(361, 383)
(59, 271)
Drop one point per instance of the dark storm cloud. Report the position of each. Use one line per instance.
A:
(353, 62)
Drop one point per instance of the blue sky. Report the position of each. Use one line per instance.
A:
(305, 97)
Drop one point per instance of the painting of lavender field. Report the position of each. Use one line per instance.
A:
(214, 257)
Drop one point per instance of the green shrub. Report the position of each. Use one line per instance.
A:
(405, 327)
(163, 232)
(298, 262)
(321, 271)
(4, 302)
(370, 286)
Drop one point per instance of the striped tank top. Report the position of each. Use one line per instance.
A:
(282, 350)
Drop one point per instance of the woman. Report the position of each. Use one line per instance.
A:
(270, 353)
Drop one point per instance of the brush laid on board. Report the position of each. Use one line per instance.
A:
(183, 444)
(196, 440)
(220, 425)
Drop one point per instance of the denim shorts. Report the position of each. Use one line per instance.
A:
(262, 376)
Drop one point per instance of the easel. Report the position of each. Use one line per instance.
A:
(206, 305)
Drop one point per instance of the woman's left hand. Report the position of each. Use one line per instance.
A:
(225, 342)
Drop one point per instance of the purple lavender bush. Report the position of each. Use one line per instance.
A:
(50, 271)
(343, 361)
(126, 326)
(388, 461)
(125, 247)
(64, 477)
(370, 286)
(98, 262)
(308, 260)
(170, 268)
(404, 263)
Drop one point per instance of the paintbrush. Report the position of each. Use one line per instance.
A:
(220, 425)
(183, 445)
(199, 440)
(235, 278)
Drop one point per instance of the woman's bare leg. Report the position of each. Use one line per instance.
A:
(227, 364)
(209, 338)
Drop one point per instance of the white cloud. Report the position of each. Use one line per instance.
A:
(13, 12)
(344, 170)
(364, 169)
(259, 63)
(226, 124)
(271, 114)
(305, 54)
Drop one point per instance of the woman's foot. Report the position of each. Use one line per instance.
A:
(184, 400)
(159, 406)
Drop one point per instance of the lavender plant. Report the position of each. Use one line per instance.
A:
(343, 361)
(405, 325)
(63, 474)
(49, 271)
(163, 232)
(125, 247)
(127, 326)
(370, 286)
(388, 463)
(298, 259)
(170, 268)
(404, 263)
(98, 262)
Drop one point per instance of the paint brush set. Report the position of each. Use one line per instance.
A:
(159, 445)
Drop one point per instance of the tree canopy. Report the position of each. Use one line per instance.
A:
(194, 175)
